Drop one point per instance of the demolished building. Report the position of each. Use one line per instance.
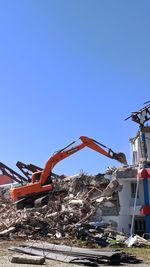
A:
(117, 200)
(134, 199)
(135, 195)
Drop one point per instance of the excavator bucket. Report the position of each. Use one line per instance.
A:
(121, 157)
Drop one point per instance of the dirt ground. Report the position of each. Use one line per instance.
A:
(5, 257)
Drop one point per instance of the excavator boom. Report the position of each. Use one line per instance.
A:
(64, 153)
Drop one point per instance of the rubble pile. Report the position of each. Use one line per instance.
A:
(76, 202)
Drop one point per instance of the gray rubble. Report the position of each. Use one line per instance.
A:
(74, 202)
(75, 211)
(126, 172)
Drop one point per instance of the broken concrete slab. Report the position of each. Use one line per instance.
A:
(136, 240)
(126, 172)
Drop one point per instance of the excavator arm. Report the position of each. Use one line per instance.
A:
(41, 182)
(66, 152)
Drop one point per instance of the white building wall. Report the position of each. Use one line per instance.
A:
(148, 144)
(140, 198)
(126, 199)
(136, 149)
(123, 221)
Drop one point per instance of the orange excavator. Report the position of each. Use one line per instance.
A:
(41, 182)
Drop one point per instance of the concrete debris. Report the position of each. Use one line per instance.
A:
(138, 241)
(70, 213)
(126, 172)
(112, 187)
(7, 231)
(110, 170)
(100, 233)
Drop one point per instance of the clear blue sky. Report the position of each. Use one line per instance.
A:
(71, 68)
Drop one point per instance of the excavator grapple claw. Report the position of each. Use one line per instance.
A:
(121, 157)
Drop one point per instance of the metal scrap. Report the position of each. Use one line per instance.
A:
(76, 255)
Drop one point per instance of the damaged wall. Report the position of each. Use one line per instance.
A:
(136, 146)
(127, 178)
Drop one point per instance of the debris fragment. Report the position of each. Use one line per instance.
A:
(7, 231)
(137, 241)
(27, 259)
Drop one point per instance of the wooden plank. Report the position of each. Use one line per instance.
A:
(27, 259)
